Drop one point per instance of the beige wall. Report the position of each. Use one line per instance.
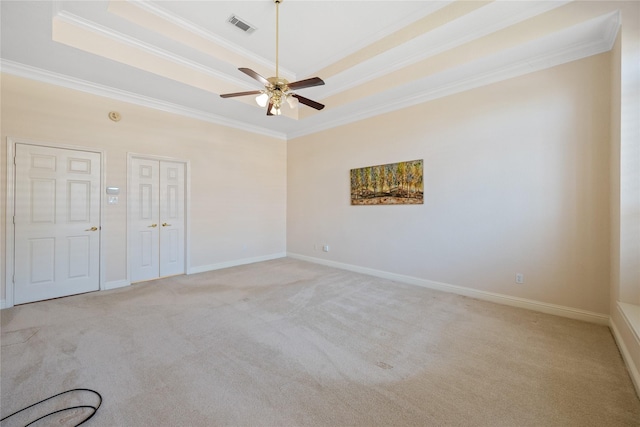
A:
(516, 180)
(238, 179)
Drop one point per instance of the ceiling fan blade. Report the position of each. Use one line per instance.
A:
(269, 107)
(301, 84)
(231, 95)
(249, 72)
(309, 102)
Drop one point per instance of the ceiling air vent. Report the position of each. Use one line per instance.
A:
(241, 23)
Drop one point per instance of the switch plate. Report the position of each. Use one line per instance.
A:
(325, 248)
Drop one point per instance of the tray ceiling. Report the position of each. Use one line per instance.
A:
(375, 56)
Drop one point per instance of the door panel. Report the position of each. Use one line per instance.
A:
(43, 201)
(42, 261)
(148, 210)
(43, 161)
(173, 236)
(78, 165)
(79, 250)
(147, 250)
(79, 201)
(57, 221)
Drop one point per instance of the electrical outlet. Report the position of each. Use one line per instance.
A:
(325, 248)
(519, 278)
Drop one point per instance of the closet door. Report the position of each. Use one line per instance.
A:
(57, 222)
(144, 219)
(172, 218)
(157, 218)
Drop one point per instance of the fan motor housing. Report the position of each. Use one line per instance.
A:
(279, 83)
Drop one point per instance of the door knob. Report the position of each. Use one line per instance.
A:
(164, 224)
(92, 229)
(153, 225)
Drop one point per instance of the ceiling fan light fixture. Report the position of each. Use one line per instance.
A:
(277, 89)
(262, 99)
(276, 111)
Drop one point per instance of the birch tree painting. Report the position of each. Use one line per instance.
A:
(390, 184)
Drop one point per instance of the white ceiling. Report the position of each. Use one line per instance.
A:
(375, 56)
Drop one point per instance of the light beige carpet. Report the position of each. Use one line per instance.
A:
(289, 343)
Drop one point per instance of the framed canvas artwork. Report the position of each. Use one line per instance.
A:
(391, 184)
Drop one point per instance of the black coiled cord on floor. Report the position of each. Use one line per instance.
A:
(95, 408)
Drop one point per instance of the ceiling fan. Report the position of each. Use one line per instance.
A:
(277, 89)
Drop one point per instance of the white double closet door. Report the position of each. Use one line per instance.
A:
(157, 218)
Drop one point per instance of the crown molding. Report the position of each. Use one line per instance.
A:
(117, 37)
(37, 74)
(471, 76)
(174, 19)
(425, 46)
(612, 28)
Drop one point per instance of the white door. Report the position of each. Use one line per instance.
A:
(145, 213)
(157, 218)
(171, 218)
(57, 222)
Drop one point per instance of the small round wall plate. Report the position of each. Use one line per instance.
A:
(114, 115)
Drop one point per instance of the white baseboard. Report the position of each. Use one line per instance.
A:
(235, 262)
(558, 310)
(115, 284)
(631, 314)
(624, 350)
(107, 286)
